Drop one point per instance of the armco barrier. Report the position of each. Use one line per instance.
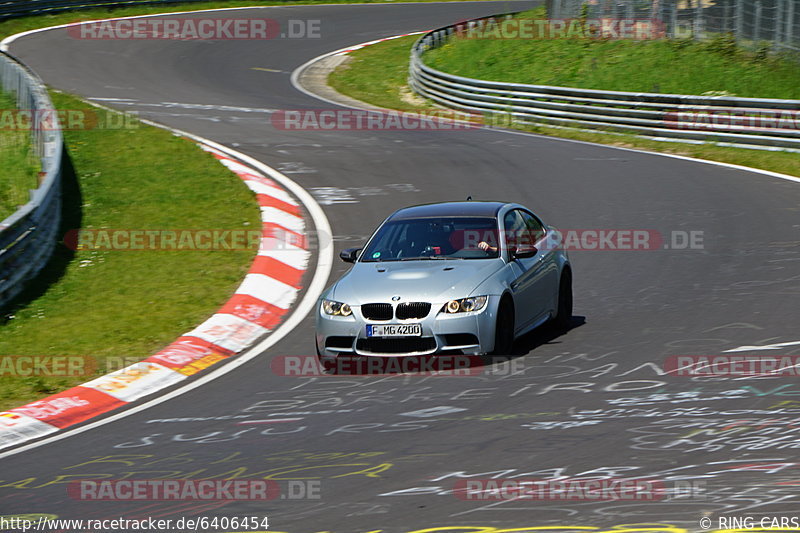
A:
(744, 122)
(28, 237)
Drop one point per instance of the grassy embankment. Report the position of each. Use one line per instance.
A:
(127, 304)
(19, 165)
(377, 75)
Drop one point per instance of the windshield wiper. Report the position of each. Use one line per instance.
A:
(428, 258)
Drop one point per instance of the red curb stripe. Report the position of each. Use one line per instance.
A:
(254, 310)
(271, 267)
(189, 344)
(70, 406)
(272, 230)
(188, 355)
(265, 200)
(263, 180)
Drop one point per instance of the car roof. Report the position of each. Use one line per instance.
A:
(449, 209)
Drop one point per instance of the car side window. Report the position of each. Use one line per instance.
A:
(513, 228)
(534, 226)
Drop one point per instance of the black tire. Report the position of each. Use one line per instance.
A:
(504, 330)
(563, 317)
(328, 366)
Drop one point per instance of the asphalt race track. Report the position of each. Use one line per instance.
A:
(384, 454)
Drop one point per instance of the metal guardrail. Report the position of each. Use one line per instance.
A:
(29, 236)
(742, 122)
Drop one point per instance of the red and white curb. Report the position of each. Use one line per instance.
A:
(344, 51)
(296, 73)
(264, 297)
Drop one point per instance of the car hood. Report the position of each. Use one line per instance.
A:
(413, 281)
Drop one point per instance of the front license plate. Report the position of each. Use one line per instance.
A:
(394, 330)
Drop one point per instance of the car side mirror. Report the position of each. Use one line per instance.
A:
(522, 253)
(349, 255)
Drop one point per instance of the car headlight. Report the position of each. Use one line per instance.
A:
(465, 305)
(335, 308)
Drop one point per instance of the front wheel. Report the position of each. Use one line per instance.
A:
(504, 329)
(327, 365)
(563, 317)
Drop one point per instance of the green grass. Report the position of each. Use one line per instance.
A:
(19, 166)
(362, 76)
(130, 303)
(377, 75)
(662, 66)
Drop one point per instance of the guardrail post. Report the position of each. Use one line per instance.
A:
(655, 10)
(698, 20)
(738, 16)
(776, 29)
(726, 25)
(673, 21)
(757, 22)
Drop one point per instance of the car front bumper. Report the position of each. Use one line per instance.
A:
(467, 333)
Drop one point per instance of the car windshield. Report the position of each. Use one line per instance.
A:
(434, 238)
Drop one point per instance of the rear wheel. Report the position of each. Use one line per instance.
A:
(563, 317)
(504, 329)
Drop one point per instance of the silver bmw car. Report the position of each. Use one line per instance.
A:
(455, 277)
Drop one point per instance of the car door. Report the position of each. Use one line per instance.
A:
(546, 263)
(527, 272)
